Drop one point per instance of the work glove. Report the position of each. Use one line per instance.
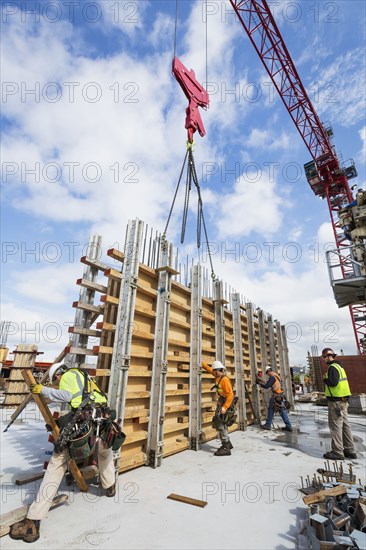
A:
(36, 388)
(222, 410)
(258, 380)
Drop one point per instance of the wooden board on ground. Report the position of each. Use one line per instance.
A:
(187, 500)
(88, 472)
(321, 495)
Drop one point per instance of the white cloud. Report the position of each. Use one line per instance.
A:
(268, 140)
(362, 154)
(49, 284)
(127, 17)
(145, 141)
(254, 205)
(341, 88)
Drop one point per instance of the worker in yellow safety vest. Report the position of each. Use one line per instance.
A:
(77, 389)
(337, 392)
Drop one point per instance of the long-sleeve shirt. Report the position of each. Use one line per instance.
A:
(333, 376)
(57, 396)
(224, 387)
(271, 380)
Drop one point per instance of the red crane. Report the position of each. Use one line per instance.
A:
(327, 178)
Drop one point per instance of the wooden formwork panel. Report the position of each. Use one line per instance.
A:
(229, 354)
(177, 381)
(208, 403)
(137, 408)
(177, 390)
(16, 388)
(246, 361)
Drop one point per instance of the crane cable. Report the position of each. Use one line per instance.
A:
(191, 177)
(175, 29)
(206, 36)
(191, 171)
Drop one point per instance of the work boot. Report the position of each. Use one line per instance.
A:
(350, 455)
(287, 429)
(224, 450)
(111, 491)
(333, 456)
(265, 427)
(26, 530)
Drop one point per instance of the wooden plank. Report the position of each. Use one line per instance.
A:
(43, 407)
(90, 285)
(88, 472)
(321, 495)
(79, 351)
(94, 371)
(178, 322)
(106, 326)
(113, 274)
(85, 331)
(144, 311)
(179, 343)
(89, 307)
(98, 350)
(147, 291)
(25, 402)
(96, 264)
(8, 519)
(28, 478)
(116, 254)
(143, 335)
(188, 500)
(106, 299)
(180, 305)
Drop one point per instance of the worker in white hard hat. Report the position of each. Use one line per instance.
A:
(225, 395)
(277, 402)
(77, 389)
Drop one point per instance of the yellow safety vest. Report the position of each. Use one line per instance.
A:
(73, 382)
(342, 388)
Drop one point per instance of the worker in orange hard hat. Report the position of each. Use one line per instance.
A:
(225, 395)
(337, 392)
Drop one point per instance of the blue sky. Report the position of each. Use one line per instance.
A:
(93, 135)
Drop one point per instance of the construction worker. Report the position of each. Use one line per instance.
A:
(71, 383)
(337, 392)
(277, 402)
(225, 395)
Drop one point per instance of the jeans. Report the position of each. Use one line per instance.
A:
(271, 411)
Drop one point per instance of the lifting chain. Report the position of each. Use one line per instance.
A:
(191, 176)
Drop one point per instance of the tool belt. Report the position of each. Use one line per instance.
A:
(228, 418)
(83, 445)
(77, 433)
(112, 436)
(280, 402)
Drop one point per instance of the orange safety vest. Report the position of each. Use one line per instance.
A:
(276, 388)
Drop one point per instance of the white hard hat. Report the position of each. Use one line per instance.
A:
(57, 368)
(268, 368)
(217, 365)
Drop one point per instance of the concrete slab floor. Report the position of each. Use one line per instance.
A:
(252, 495)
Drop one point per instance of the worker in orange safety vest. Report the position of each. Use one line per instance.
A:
(225, 395)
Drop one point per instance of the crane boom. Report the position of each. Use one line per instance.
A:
(326, 177)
